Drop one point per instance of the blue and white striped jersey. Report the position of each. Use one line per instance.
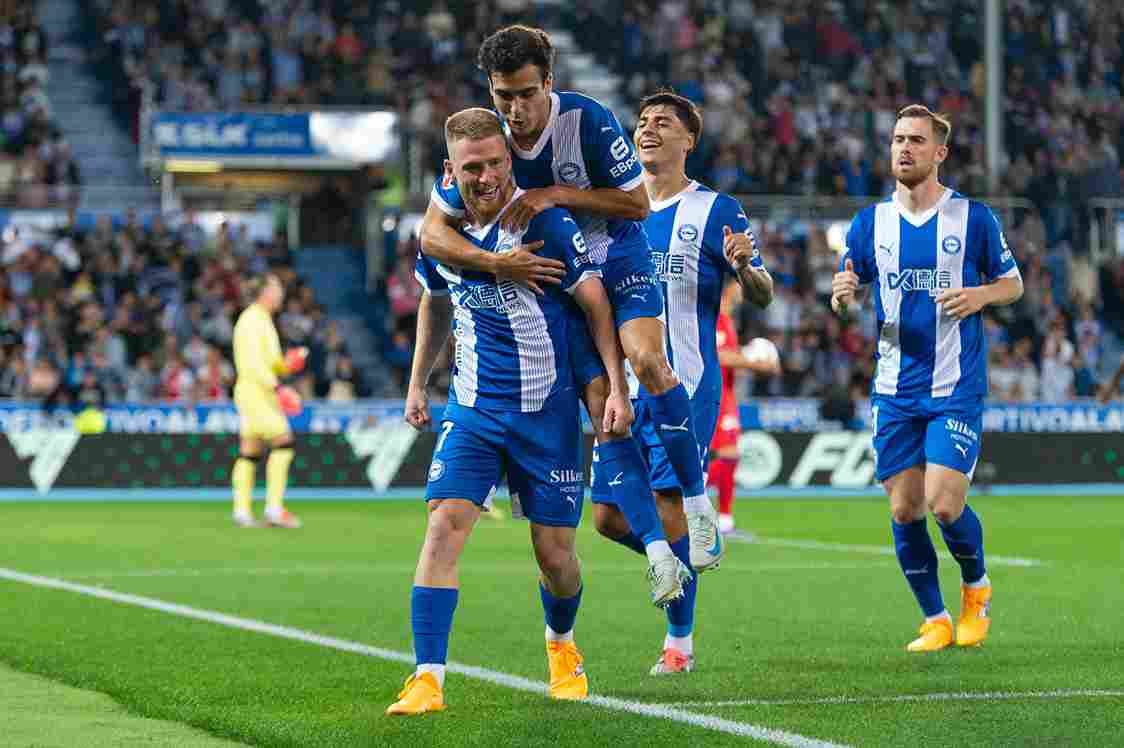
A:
(511, 345)
(582, 146)
(910, 259)
(685, 232)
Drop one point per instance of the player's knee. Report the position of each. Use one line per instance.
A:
(609, 522)
(557, 562)
(653, 370)
(946, 507)
(906, 512)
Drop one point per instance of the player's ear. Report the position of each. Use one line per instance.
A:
(942, 153)
(548, 82)
(448, 168)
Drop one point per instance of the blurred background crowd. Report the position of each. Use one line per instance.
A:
(799, 98)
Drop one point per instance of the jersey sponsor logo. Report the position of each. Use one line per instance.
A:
(619, 149)
(959, 427)
(669, 265)
(920, 279)
(502, 297)
(566, 475)
(688, 233)
(622, 168)
(436, 470)
(569, 172)
(951, 245)
(635, 282)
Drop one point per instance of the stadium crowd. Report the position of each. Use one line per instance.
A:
(798, 98)
(139, 313)
(37, 167)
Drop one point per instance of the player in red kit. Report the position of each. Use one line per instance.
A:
(724, 445)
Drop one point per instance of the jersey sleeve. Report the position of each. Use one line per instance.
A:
(425, 270)
(997, 260)
(447, 196)
(858, 251)
(728, 212)
(608, 151)
(564, 241)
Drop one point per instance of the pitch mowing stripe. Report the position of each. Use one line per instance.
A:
(659, 711)
(958, 696)
(817, 545)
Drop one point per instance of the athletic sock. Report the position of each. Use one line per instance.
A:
(277, 477)
(918, 559)
(560, 613)
(242, 480)
(431, 617)
(964, 539)
(681, 611)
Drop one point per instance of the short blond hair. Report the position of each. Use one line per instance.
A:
(942, 126)
(476, 123)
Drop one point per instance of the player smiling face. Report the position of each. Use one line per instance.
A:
(916, 150)
(661, 137)
(482, 168)
(523, 98)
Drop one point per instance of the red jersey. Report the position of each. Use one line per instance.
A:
(727, 340)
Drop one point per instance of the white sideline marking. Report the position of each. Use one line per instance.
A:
(660, 711)
(959, 696)
(817, 545)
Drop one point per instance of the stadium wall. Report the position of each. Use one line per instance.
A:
(389, 458)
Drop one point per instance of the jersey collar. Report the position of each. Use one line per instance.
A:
(481, 233)
(658, 205)
(544, 138)
(920, 219)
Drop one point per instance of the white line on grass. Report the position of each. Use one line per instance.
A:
(660, 711)
(959, 696)
(818, 545)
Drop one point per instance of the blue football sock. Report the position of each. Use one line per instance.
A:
(671, 413)
(918, 559)
(631, 541)
(681, 611)
(626, 474)
(431, 616)
(560, 611)
(964, 539)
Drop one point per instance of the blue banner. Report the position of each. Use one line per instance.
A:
(358, 137)
(780, 414)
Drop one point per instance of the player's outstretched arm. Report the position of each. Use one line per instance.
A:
(441, 241)
(591, 297)
(735, 359)
(435, 317)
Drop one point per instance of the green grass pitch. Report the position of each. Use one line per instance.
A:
(795, 637)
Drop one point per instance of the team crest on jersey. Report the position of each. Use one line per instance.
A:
(436, 470)
(951, 245)
(688, 233)
(569, 172)
(507, 244)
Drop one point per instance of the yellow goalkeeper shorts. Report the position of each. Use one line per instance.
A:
(260, 416)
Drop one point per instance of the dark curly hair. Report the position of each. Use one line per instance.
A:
(512, 47)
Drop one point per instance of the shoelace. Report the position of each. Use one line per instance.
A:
(702, 532)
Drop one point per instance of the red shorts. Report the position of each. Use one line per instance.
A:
(727, 432)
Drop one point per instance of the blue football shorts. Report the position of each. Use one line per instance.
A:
(912, 431)
(540, 452)
(704, 416)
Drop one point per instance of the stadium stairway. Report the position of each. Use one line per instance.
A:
(337, 275)
(586, 74)
(104, 151)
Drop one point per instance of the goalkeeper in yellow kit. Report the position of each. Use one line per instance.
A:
(263, 405)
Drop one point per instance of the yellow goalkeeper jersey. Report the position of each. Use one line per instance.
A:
(257, 351)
